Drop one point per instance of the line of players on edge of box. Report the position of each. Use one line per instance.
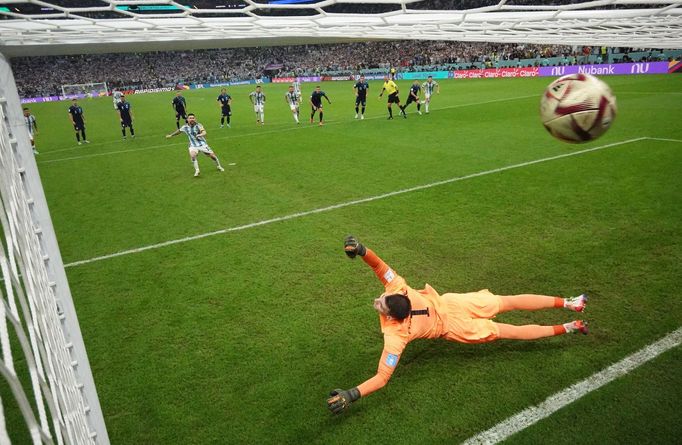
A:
(196, 132)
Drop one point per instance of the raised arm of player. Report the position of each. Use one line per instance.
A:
(387, 276)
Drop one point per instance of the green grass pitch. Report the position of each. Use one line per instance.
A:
(237, 338)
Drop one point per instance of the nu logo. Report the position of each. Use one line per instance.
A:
(639, 68)
(558, 71)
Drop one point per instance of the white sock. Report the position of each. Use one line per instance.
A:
(217, 161)
(296, 117)
(195, 163)
(427, 107)
(262, 117)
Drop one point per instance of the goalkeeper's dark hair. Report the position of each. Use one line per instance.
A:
(399, 306)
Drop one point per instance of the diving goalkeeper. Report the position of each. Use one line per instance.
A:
(406, 314)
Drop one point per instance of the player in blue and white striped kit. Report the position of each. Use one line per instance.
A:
(32, 127)
(197, 142)
(257, 98)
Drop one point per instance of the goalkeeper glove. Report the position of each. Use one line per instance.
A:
(352, 247)
(339, 399)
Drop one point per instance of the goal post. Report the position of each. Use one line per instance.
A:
(93, 89)
(59, 402)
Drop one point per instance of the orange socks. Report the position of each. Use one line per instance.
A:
(559, 329)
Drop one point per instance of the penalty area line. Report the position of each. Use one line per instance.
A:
(533, 414)
(348, 203)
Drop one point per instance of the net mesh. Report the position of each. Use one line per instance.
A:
(40, 347)
(631, 23)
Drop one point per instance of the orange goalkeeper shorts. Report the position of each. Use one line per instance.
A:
(468, 316)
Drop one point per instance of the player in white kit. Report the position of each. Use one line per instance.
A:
(117, 98)
(294, 102)
(429, 87)
(197, 142)
(32, 128)
(257, 98)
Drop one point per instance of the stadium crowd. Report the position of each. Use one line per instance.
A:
(43, 76)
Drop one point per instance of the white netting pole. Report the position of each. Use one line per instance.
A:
(33, 272)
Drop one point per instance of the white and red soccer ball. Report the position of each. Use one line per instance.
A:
(577, 108)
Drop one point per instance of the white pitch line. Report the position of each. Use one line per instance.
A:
(347, 204)
(532, 415)
(665, 139)
(260, 133)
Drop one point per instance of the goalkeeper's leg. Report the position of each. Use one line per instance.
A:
(534, 332)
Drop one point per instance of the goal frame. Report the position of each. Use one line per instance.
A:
(33, 274)
(83, 86)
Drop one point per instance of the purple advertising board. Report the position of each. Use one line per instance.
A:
(609, 69)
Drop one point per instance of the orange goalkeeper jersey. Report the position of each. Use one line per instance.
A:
(426, 321)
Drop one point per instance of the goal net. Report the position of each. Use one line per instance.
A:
(94, 89)
(52, 397)
(148, 25)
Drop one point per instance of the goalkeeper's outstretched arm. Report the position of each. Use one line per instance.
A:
(339, 400)
(353, 247)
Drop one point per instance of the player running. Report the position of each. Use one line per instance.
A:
(257, 99)
(297, 90)
(415, 89)
(316, 103)
(361, 87)
(180, 106)
(293, 100)
(126, 115)
(78, 121)
(407, 314)
(429, 87)
(391, 89)
(117, 98)
(32, 127)
(197, 142)
(225, 104)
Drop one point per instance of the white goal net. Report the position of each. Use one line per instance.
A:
(95, 89)
(43, 363)
(48, 27)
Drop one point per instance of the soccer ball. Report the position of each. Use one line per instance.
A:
(577, 108)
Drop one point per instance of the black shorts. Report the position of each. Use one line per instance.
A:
(226, 111)
(181, 114)
(78, 126)
(393, 98)
(359, 100)
(126, 122)
(411, 99)
(315, 107)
